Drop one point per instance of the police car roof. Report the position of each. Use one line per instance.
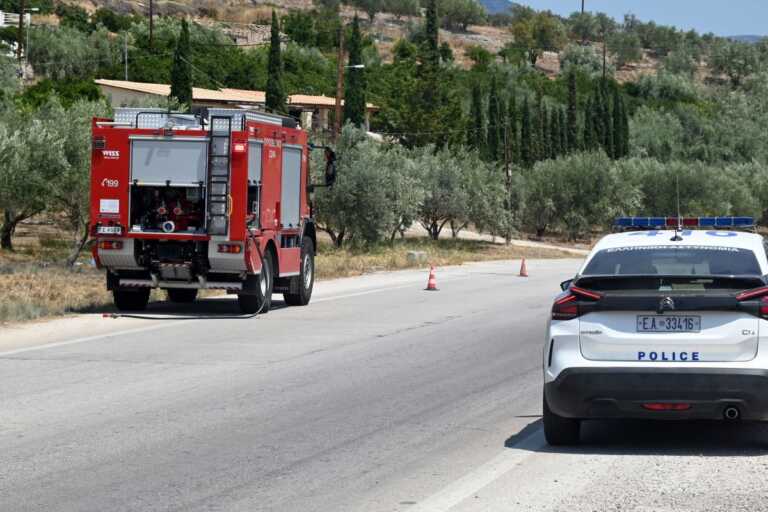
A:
(738, 239)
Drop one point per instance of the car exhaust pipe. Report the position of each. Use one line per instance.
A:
(731, 413)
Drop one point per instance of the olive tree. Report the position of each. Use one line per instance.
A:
(735, 60)
(576, 193)
(32, 154)
(71, 194)
(376, 194)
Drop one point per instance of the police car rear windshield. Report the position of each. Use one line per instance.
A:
(683, 260)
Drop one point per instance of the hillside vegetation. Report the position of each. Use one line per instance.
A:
(498, 145)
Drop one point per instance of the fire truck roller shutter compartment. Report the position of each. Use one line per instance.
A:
(291, 187)
(254, 183)
(168, 184)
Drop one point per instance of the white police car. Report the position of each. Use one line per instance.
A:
(661, 323)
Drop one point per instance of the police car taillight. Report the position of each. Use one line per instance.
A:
(566, 305)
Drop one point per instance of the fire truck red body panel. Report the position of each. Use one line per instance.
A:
(198, 206)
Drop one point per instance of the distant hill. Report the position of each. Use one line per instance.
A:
(747, 39)
(496, 6)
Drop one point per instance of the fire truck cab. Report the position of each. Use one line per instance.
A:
(216, 200)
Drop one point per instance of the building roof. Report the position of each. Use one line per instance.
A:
(224, 95)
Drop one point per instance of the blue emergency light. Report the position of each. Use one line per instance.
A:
(686, 222)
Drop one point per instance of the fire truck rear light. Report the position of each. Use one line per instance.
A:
(111, 245)
(230, 248)
(666, 407)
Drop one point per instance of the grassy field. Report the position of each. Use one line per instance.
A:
(33, 284)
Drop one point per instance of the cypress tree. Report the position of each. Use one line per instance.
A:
(431, 49)
(546, 146)
(512, 140)
(607, 121)
(495, 136)
(554, 133)
(598, 118)
(538, 133)
(354, 93)
(476, 136)
(590, 137)
(620, 126)
(526, 142)
(624, 128)
(564, 145)
(572, 129)
(275, 94)
(181, 70)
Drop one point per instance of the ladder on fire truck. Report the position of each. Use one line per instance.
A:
(219, 158)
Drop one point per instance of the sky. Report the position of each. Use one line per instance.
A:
(729, 18)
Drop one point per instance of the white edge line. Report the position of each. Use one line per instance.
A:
(472, 482)
(92, 338)
(168, 323)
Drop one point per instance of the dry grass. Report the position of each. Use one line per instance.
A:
(333, 262)
(34, 284)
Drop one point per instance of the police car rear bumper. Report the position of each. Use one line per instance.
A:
(599, 393)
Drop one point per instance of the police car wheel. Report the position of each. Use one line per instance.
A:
(559, 431)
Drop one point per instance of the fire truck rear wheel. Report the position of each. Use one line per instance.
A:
(306, 277)
(261, 300)
(131, 300)
(182, 295)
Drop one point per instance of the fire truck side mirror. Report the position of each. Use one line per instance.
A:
(330, 167)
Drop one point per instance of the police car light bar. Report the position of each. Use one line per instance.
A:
(687, 222)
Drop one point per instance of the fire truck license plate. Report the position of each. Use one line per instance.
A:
(109, 230)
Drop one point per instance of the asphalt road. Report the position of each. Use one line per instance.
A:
(379, 396)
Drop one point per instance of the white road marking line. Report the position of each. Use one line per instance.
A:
(92, 338)
(169, 323)
(471, 483)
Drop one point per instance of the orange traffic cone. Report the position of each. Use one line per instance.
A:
(432, 282)
(523, 269)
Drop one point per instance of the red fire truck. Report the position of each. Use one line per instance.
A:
(216, 200)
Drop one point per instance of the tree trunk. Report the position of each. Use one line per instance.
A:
(77, 248)
(10, 221)
(434, 231)
(456, 229)
(339, 239)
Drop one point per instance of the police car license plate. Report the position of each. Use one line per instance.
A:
(668, 323)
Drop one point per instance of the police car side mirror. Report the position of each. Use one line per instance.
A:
(566, 284)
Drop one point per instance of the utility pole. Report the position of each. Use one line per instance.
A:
(151, 22)
(125, 54)
(582, 6)
(339, 85)
(20, 37)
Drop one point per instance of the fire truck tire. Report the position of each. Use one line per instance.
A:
(182, 295)
(131, 300)
(306, 278)
(261, 300)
